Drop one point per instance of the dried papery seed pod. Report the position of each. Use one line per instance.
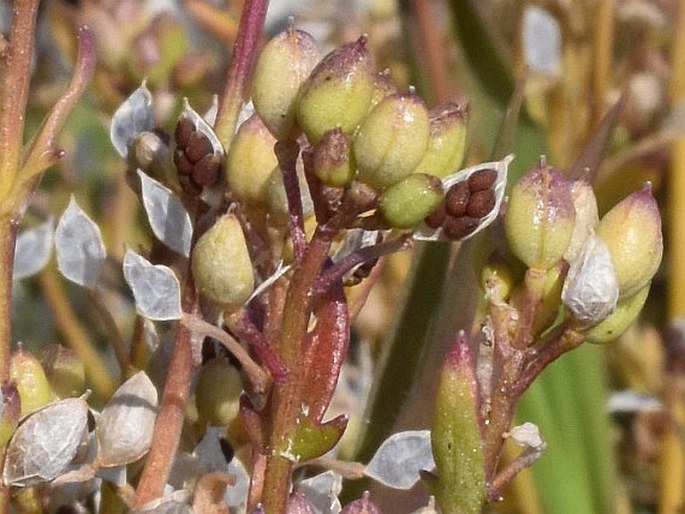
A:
(446, 142)
(283, 65)
(125, 426)
(251, 161)
(333, 160)
(632, 231)
(451, 230)
(627, 311)
(591, 287)
(338, 92)
(45, 442)
(391, 140)
(587, 217)
(221, 264)
(407, 202)
(540, 217)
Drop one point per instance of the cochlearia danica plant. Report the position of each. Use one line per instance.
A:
(266, 217)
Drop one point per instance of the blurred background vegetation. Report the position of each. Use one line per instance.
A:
(608, 451)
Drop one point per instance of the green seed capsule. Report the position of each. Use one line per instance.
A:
(217, 393)
(540, 217)
(251, 160)
(632, 231)
(392, 140)
(32, 383)
(221, 264)
(338, 92)
(333, 161)
(405, 204)
(627, 311)
(283, 65)
(447, 141)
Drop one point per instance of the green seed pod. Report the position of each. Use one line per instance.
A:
(447, 141)
(338, 91)
(217, 393)
(65, 371)
(32, 384)
(540, 217)
(382, 87)
(333, 161)
(11, 410)
(221, 264)
(632, 231)
(283, 65)
(251, 160)
(627, 311)
(460, 485)
(406, 203)
(392, 140)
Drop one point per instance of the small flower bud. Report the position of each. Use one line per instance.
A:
(333, 161)
(338, 91)
(32, 384)
(627, 311)
(632, 231)
(221, 264)
(496, 279)
(591, 288)
(540, 217)
(447, 141)
(217, 392)
(407, 202)
(283, 65)
(251, 160)
(392, 140)
(585, 204)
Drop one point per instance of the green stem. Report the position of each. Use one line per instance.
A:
(8, 234)
(15, 73)
(285, 399)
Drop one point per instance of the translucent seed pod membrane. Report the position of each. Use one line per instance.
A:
(473, 197)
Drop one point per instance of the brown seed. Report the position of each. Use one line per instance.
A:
(206, 172)
(458, 228)
(456, 199)
(482, 179)
(189, 187)
(183, 165)
(435, 219)
(184, 128)
(481, 203)
(199, 145)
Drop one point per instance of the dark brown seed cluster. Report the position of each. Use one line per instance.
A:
(465, 203)
(194, 158)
